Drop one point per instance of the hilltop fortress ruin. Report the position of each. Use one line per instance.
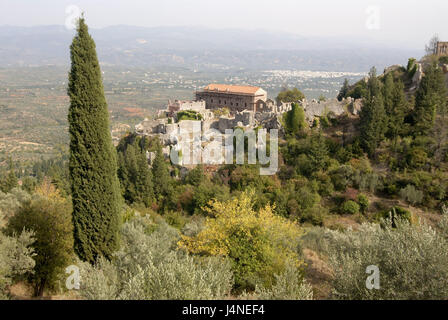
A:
(222, 107)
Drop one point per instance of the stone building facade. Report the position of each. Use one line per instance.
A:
(442, 48)
(235, 98)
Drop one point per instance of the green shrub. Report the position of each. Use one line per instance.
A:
(416, 158)
(289, 285)
(350, 207)
(193, 227)
(411, 67)
(188, 115)
(312, 239)
(390, 187)
(367, 181)
(396, 212)
(443, 224)
(149, 267)
(290, 95)
(258, 243)
(324, 122)
(180, 278)
(50, 218)
(411, 195)
(127, 214)
(341, 177)
(294, 120)
(359, 90)
(326, 187)
(443, 60)
(363, 202)
(175, 219)
(16, 259)
(412, 260)
(314, 215)
(205, 192)
(10, 202)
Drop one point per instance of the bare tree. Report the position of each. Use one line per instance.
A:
(431, 47)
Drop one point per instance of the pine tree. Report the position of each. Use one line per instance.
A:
(344, 90)
(388, 91)
(127, 171)
(318, 151)
(93, 164)
(195, 176)
(373, 118)
(430, 98)
(398, 111)
(161, 176)
(10, 181)
(135, 175)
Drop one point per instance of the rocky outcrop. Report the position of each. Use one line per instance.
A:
(355, 107)
(418, 76)
(331, 107)
(393, 68)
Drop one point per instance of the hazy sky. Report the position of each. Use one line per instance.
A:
(409, 23)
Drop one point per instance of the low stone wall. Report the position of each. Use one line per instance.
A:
(315, 108)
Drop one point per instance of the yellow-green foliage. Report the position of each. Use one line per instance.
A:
(259, 243)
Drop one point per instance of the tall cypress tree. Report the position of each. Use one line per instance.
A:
(93, 163)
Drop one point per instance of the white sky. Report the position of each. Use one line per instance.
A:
(409, 23)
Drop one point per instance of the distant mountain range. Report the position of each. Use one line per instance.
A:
(199, 48)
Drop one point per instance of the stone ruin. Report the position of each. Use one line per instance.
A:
(268, 116)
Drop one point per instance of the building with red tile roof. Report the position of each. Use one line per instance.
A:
(234, 97)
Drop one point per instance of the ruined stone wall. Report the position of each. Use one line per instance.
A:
(246, 118)
(210, 124)
(179, 105)
(334, 107)
(226, 123)
(151, 126)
